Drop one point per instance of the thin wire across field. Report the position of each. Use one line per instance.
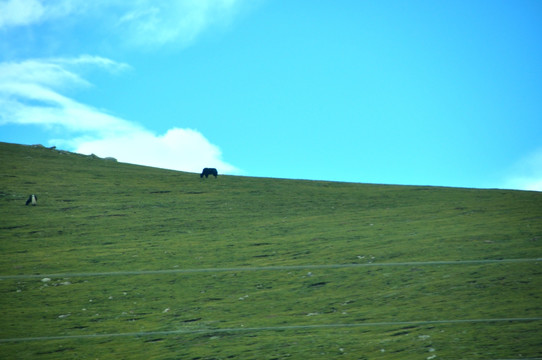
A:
(264, 268)
(271, 328)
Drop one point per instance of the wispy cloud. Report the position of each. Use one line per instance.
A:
(526, 173)
(20, 12)
(54, 72)
(137, 23)
(15, 13)
(149, 23)
(33, 92)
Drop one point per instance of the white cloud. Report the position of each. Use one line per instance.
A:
(524, 183)
(31, 93)
(28, 12)
(527, 173)
(149, 23)
(54, 72)
(177, 149)
(139, 23)
(20, 12)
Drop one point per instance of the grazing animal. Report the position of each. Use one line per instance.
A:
(32, 199)
(209, 171)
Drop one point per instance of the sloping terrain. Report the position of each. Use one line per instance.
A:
(124, 262)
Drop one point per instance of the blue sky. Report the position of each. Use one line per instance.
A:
(445, 93)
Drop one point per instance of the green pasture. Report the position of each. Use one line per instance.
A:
(119, 261)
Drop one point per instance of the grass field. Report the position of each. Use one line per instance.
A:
(119, 261)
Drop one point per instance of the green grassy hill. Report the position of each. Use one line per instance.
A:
(119, 261)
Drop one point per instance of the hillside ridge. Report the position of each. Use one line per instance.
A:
(161, 257)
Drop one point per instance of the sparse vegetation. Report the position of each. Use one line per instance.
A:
(99, 216)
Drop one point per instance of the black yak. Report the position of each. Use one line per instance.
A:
(32, 199)
(208, 171)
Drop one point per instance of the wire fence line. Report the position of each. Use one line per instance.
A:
(266, 268)
(268, 328)
(192, 331)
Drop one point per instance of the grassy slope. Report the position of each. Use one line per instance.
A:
(98, 216)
